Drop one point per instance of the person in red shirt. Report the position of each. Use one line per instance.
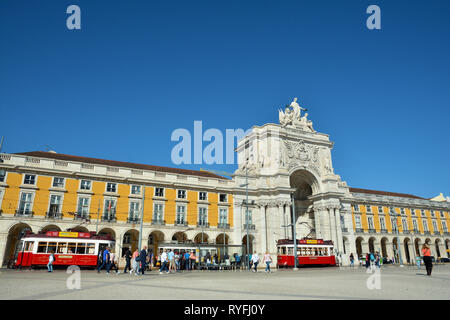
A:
(426, 253)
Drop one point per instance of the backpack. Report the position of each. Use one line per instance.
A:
(138, 258)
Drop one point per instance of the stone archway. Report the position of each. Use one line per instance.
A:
(251, 240)
(417, 244)
(201, 238)
(180, 237)
(438, 251)
(108, 232)
(447, 247)
(154, 238)
(15, 233)
(79, 229)
(50, 227)
(372, 245)
(130, 240)
(384, 242)
(358, 243)
(406, 244)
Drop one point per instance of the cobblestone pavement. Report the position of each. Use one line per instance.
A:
(312, 283)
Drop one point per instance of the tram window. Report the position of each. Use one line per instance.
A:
(283, 250)
(290, 251)
(62, 247)
(42, 247)
(51, 247)
(315, 252)
(71, 248)
(90, 248)
(29, 246)
(325, 252)
(81, 248)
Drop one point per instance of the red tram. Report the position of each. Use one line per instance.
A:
(309, 252)
(70, 248)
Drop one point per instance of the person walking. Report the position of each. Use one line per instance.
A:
(143, 259)
(418, 262)
(186, 260)
(192, 260)
(51, 259)
(135, 263)
(426, 253)
(352, 260)
(114, 262)
(268, 260)
(233, 261)
(238, 261)
(105, 261)
(171, 257)
(127, 257)
(163, 262)
(255, 261)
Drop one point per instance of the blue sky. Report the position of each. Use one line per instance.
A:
(137, 70)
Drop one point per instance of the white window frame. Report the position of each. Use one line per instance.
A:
(136, 211)
(404, 224)
(5, 177)
(136, 186)
(435, 226)
(355, 207)
(90, 184)
(199, 196)
(31, 201)
(30, 184)
(63, 182)
(250, 215)
(61, 196)
(105, 209)
(444, 226)
(200, 209)
(115, 187)
(163, 192)
(425, 225)
(226, 197)
(183, 191)
(157, 212)
(380, 209)
(220, 215)
(180, 213)
(370, 223)
(358, 222)
(382, 223)
(368, 209)
(415, 225)
(88, 205)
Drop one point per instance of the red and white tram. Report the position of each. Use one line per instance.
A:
(309, 252)
(69, 248)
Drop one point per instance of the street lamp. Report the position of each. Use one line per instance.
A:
(398, 239)
(294, 235)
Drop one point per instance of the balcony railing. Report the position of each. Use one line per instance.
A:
(24, 213)
(181, 223)
(359, 230)
(53, 215)
(108, 218)
(202, 224)
(250, 227)
(81, 216)
(133, 220)
(383, 231)
(372, 231)
(223, 226)
(159, 222)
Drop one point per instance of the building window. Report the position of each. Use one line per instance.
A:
(402, 210)
(422, 212)
(111, 187)
(202, 216)
(425, 225)
(85, 185)
(355, 208)
(222, 197)
(444, 226)
(394, 223)
(442, 214)
(159, 192)
(342, 221)
(2, 175)
(382, 223)
(380, 209)
(358, 222)
(134, 210)
(181, 194)
(435, 227)
(369, 209)
(29, 179)
(83, 206)
(432, 213)
(203, 196)
(370, 223)
(26, 202)
(55, 204)
(158, 212)
(405, 225)
(58, 182)
(415, 225)
(413, 212)
(391, 210)
(181, 215)
(135, 189)
(110, 208)
(223, 216)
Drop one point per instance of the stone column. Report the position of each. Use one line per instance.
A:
(340, 241)
(332, 227)
(263, 230)
(3, 241)
(317, 224)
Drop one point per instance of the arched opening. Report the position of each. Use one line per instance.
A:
(417, 244)
(251, 239)
(358, 244)
(130, 241)
(15, 233)
(107, 232)
(305, 185)
(78, 229)
(50, 227)
(201, 238)
(154, 239)
(372, 245)
(180, 237)
(407, 253)
(223, 242)
(436, 243)
(447, 247)
(384, 242)
(346, 244)
(395, 248)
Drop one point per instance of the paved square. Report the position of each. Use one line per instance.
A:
(318, 283)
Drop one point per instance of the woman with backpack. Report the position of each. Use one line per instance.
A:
(135, 262)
